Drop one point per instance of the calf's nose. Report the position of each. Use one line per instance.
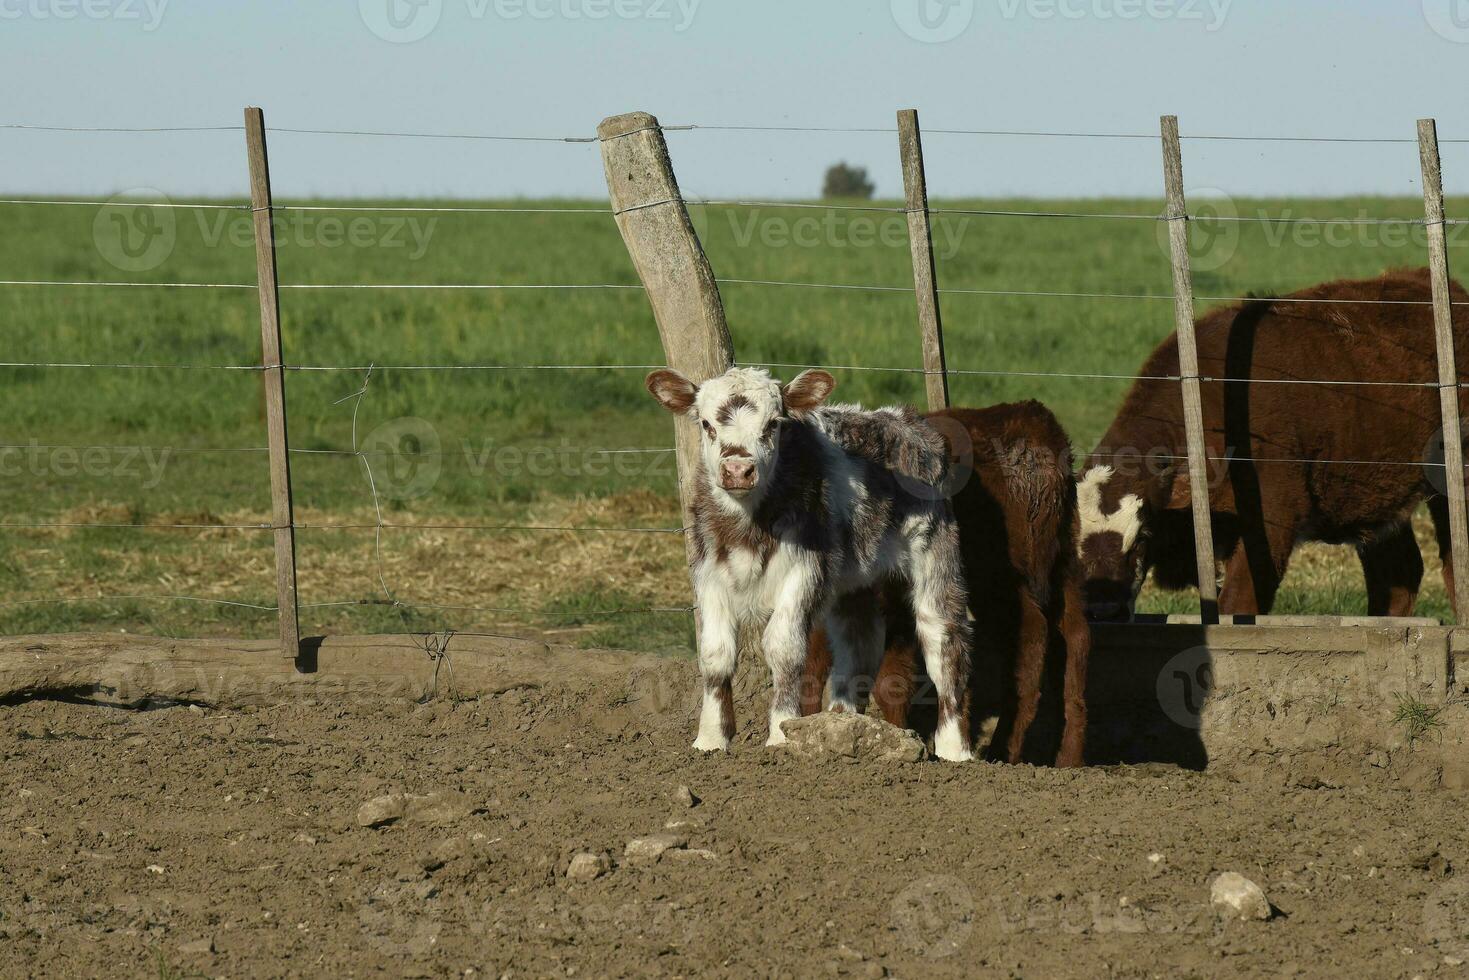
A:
(737, 474)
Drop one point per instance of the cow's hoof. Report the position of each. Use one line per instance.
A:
(953, 755)
(777, 738)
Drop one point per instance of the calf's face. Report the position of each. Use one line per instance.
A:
(1113, 548)
(739, 415)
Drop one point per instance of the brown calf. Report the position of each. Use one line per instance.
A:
(1017, 530)
(1290, 459)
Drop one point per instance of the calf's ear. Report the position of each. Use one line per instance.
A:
(673, 391)
(808, 390)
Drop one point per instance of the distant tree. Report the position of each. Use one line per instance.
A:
(846, 181)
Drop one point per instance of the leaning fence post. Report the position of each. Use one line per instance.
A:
(671, 263)
(920, 242)
(282, 512)
(1448, 369)
(1188, 370)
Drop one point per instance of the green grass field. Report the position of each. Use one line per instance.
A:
(525, 446)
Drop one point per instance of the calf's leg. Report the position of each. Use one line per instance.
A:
(854, 631)
(939, 613)
(784, 642)
(1029, 672)
(1393, 567)
(1438, 509)
(1254, 572)
(718, 650)
(816, 671)
(1076, 634)
(896, 683)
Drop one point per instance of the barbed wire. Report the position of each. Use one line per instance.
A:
(584, 529)
(140, 598)
(1273, 459)
(138, 526)
(321, 285)
(477, 367)
(1049, 294)
(607, 212)
(497, 137)
(125, 129)
(128, 204)
(120, 366)
(719, 127)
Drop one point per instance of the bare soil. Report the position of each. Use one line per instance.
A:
(186, 840)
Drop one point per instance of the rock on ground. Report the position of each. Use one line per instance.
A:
(381, 810)
(433, 809)
(646, 850)
(1235, 895)
(844, 734)
(587, 866)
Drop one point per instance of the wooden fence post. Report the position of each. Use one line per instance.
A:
(1448, 369)
(281, 506)
(1188, 369)
(671, 263)
(920, 242)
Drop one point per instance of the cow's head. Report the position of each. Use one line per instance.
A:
(739, 415)
(1113, 547)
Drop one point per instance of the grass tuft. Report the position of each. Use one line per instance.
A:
(1416, 718)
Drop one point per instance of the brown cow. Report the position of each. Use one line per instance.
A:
(1017, 529)
(1289, 462)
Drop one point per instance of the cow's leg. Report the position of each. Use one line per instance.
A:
(1030, 671)
(1393, 567)
(718, 650)
(1255, 569)
(816, 671)
(1076, 634)
(785, 639)
(1438, 509)
(940, 618)
(854, 629)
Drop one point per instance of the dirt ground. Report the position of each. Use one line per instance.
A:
(190, 841)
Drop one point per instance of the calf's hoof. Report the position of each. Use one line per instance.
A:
(711, 743)
(950, 745)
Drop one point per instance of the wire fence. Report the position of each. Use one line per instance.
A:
(366, 457)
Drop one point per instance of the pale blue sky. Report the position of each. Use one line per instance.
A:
(1360, 68)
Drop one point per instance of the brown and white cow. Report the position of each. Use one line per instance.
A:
(799, 510)
(1017, 529)
(1288, 461)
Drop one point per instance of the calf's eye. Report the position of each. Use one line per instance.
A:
(770, 428)
(708, 429)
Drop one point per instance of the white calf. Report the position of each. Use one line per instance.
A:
(798, 510)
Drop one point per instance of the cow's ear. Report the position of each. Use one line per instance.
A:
(808, 390)
(673, 391)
